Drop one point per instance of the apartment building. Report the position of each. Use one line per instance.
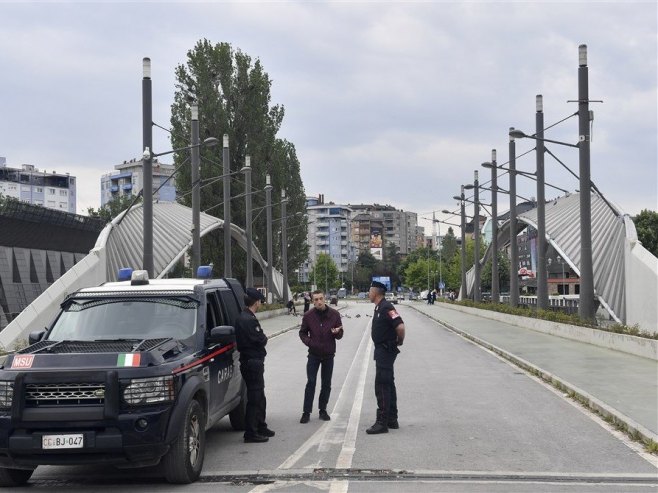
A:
(38, 187)
(128, 180)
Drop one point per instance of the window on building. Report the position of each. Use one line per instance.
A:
(51, 191)
(62, 193)
(39, 189)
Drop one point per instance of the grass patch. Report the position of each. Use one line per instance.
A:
(554, 316)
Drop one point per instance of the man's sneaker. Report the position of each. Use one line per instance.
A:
(255, 439)
(266, 432)
(305, 418)
(393, 424)
(377, 428)
(324, 416)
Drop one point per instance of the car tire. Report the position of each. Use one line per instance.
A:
(184, 461)
(14, 477)
(237, 416)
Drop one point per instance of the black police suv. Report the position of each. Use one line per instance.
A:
(130, 373)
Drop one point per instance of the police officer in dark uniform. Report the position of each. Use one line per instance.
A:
(251, 343)
(387, 334)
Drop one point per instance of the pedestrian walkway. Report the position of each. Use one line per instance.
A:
(279, 324)
(618, 384)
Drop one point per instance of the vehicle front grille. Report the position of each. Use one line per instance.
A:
(52, 394)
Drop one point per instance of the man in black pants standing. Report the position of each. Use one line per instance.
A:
(320, 328)
(387, 334)
(251, 343)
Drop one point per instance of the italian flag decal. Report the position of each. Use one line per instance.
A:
(130, 359)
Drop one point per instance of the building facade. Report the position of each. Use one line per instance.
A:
(374, 226)
(128, 180)
(328, 233)
(38, 187)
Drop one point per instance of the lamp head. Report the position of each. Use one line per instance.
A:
(469, 187)
(456, 197)
(446, 211)
(517, 134)
(487, 165)
(210, 141)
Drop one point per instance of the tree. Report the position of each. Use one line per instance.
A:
(646, 224)
(324, 273)
(421, 273)
(112, 209)
(391, 263)
(366, 266)
(448, 246)
(503, 273)
(233, 95)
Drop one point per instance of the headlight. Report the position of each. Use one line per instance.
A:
(6, 394)
(149, 390)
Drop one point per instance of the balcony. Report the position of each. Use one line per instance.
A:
(114, 188)
(127, 186)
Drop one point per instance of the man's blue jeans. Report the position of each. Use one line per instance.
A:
(313, 364)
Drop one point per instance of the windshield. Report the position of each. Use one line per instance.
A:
(125, 318)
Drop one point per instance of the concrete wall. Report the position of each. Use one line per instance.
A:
(639, 346)
(90, 271)
(641, 287)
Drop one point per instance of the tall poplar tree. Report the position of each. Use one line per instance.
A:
(233, 95)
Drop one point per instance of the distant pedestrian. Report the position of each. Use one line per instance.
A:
(429, 297)
(251, 343)
(291, 308)
(320, 328)
(307, 301)
(387, 334)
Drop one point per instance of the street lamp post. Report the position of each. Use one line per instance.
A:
(228, 271)
(542, 279)
(586, 307)
(249, 282)
(284, 246)
(495, 282)
(462, 204)
(268, 220)
(476, 224)
(196, 191)
(147, 166)
(514, 247)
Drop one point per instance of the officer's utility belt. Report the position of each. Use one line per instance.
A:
(390, 346)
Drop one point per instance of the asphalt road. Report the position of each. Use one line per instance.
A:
(469, 421)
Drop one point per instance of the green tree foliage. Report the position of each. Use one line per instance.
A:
(453, 277)
(646, 224)
(503, 273)
(449, 245)
(233, 95)
(391, 263)
(324, 273)
(366, 266)
(422, 273)
(112, 209)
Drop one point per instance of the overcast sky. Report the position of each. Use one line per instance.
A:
(388, 102)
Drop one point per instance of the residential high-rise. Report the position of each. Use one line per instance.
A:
(373, 224)
(39, 187)
(128, 180)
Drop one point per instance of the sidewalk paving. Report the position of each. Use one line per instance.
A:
(614, 383)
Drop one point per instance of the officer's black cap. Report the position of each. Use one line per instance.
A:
(254, 294)
(377, 284)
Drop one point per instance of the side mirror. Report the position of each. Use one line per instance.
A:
(224, 334)
(35, 336)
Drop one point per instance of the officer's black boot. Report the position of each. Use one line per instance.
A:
(393, 424)
(377, 428)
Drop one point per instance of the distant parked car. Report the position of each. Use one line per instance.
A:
(362, 295)
(400, 296)
(390, 296)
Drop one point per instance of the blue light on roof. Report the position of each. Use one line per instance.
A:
(204, 272)
(125, 273)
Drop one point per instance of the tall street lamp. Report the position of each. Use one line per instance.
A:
(147, 165)
(268, 220)
(476, 223)
(495, 282)
(284, 246)
(586, 306)
(542, 277)
(249, 282)
(462, 201)
(228, 271)
(514, 246)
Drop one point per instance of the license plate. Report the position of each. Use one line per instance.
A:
(62, 441)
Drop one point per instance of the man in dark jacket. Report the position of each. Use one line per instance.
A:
(320, 328)
(251, 343)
